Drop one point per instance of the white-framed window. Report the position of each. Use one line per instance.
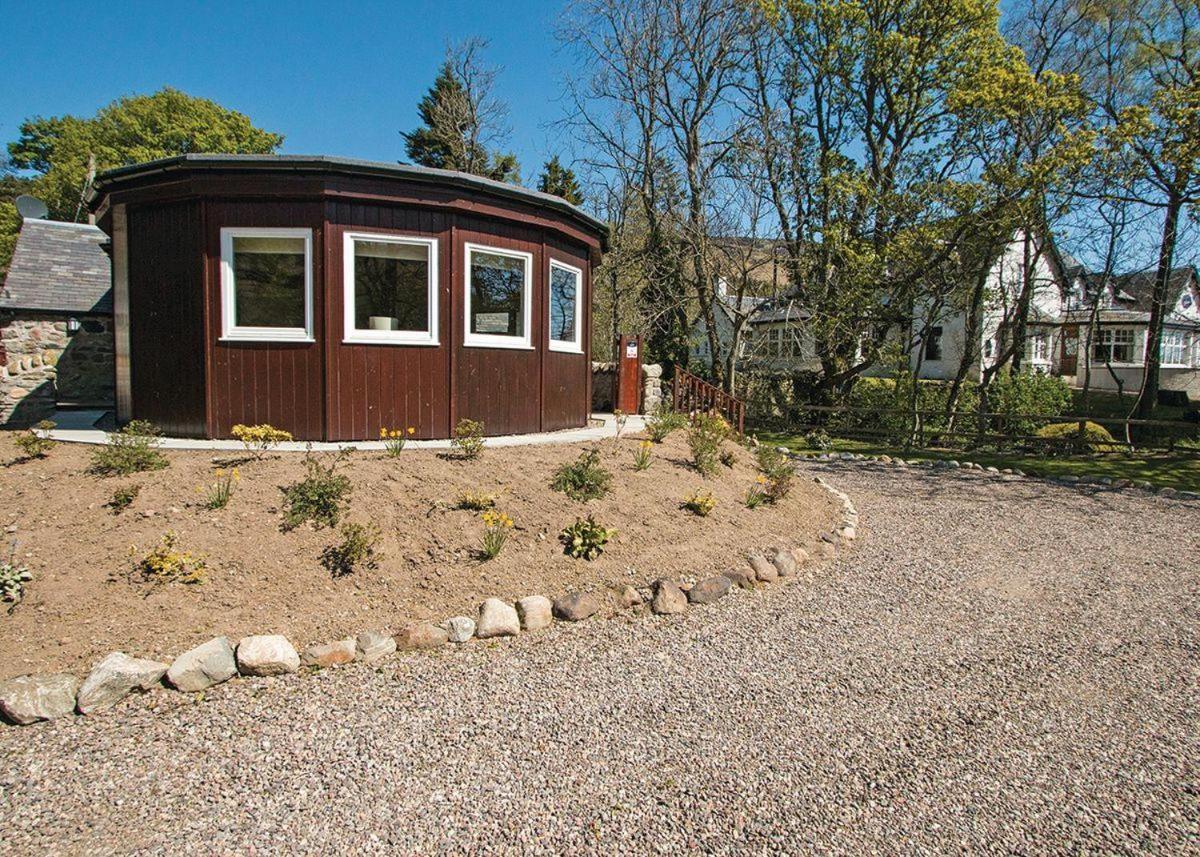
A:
(1175, 350)
(566, 308)
(1037, 347)
(499, 287)
(1114, 345)
(266, 284)
(390, 289)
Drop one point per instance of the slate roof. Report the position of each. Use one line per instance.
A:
(58, 267)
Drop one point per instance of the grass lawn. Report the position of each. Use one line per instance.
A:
(1176, 471)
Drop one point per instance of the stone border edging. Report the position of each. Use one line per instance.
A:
(1007, 473)
(32, 698)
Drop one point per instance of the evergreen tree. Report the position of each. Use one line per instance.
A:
(459, 118)
(560, 181)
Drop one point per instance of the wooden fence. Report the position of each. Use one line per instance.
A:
(690, 393)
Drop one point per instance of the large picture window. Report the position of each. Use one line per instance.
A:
(566, 308)
(1113, 345)
(390, 289)
(498, 284)
(1175, 348)
(266, 284)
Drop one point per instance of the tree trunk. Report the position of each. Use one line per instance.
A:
(1149, 395)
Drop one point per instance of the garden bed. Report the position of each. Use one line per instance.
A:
(85, 600)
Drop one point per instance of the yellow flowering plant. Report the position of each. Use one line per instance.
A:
(757, 493)
(218, 493)
(641, 455)
(394, 439)
(700, 503)
(496, 527)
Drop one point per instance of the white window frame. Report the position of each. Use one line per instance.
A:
(564, 345)
(1184, 349)
(496, 340)
(238, 333)
(1110, 343)
(352, 335)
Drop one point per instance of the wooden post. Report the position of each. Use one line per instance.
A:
(628, 396)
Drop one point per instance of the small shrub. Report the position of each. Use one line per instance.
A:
(395, 439)
(166, 563)
(621, 419)
(33, 443)
(477, 501)
(496, 527)
(123, 497)
(662, 422)
(728, 458)
(777, 472)
(357, 549)
(706, 435)
(641, 455)
(1019, 399)
(259, 440)
(133, 449)
(219, 492)
(585, 539)
(1095, 438)
(817, 439)
(700, 503)
(13, 578)
(583, 479)
(318, 497)
(468, 438)
(756, 494)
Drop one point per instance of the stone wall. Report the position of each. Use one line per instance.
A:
(604, 386)
(43, 365)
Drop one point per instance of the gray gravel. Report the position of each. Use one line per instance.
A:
(998, 666)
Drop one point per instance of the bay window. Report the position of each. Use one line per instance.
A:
(499, 297)
(566, 308)
(391, 289)
(266, 284)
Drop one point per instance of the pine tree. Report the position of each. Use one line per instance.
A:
(458, 117)
(560, 181)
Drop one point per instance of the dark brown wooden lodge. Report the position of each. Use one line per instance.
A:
(334, 298)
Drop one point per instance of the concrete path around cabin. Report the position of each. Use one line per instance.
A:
(79, 427)
(996, 667)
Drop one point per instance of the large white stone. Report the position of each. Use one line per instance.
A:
(116, 677)
(535, 611)
(460, 628)
(267, 654)
(31, 698)
(200, 668)
(497, 619)
(373, 645)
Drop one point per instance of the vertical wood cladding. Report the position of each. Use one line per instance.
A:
(166, 317)
(192, 383)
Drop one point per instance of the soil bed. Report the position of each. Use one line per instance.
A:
(84, 601)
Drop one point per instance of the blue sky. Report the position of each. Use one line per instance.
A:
(334, 78)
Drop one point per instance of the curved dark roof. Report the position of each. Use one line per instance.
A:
(58, 267)
(346, 166)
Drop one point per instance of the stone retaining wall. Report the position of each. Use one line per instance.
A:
(42, 365)
(604, 385)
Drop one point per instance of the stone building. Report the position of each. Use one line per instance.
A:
(56, 330)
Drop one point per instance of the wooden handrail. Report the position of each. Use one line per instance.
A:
(692, 393)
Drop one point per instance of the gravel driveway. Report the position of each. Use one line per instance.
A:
(996, 667)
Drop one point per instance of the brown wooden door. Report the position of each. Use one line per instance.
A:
(1070, 351)
(629, 374)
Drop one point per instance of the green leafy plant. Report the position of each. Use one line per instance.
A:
(756, 494)
(133, 449)
(818, 440)
(34, 443)
(220, 490)
(700, 503)
(123, 497)
(468, 438)
(259, 440)
(583, 479)
(496, 528)
(1093, 438)
(642, 455)
(395, 439)
(707, 433)
(728, 459)
(166, 563)
(320, 496)
(777, 472)
(663, 421)
(585, 539)
(13, 578)
(357, 549)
